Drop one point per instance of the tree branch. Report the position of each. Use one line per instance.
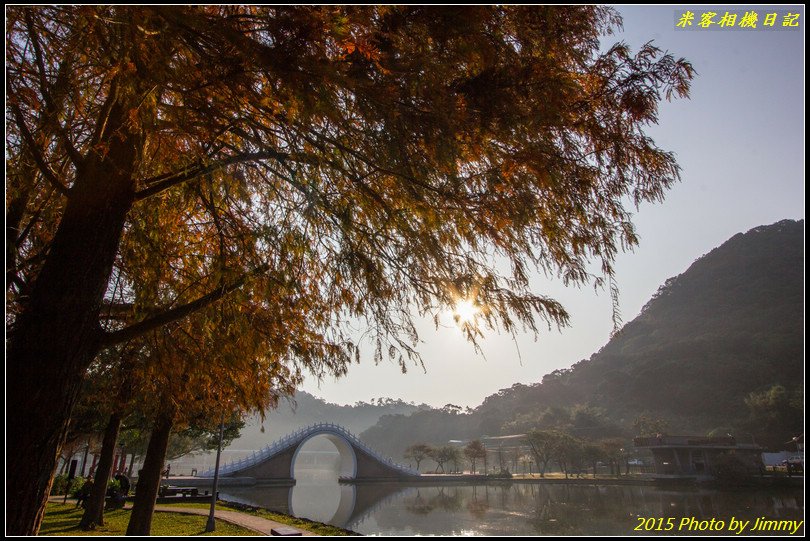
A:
(177, 313)
(38, 57)
(167, 180)
(46, 171)
(13, 279)
(116, 310)
(73, 154)
(22, 235)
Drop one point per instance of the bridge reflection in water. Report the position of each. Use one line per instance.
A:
(317, 495)
(318, 461)
(398, 508)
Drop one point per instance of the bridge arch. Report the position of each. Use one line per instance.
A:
(277, 461)
(348, 458)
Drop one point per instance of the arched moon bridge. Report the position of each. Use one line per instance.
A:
(358, 461)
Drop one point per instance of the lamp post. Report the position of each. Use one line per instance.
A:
(210, 526)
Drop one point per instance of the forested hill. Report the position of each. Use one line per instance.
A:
(719, 347)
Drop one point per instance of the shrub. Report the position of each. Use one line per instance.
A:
(730, 470)
(114, 485)
(60, 483)
(76, 485)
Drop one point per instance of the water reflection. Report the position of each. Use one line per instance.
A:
(510, 509)
(328, 502)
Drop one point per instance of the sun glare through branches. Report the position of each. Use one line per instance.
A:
(465, 312)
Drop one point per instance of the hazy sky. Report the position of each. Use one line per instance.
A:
(739, 140)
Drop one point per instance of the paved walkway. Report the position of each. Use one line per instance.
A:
(251, 522)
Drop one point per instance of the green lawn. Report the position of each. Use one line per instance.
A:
(61, 519)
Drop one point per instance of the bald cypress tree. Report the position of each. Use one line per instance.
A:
(361, 161)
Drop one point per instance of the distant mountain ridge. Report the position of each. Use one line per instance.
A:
(308, 409)
(304, 410)
(730, 326)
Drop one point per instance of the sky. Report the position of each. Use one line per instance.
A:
(739, 140)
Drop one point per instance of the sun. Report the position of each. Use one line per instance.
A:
(465, 311)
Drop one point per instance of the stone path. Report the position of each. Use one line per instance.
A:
(251, 522)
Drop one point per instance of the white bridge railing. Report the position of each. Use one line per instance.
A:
(291, 440)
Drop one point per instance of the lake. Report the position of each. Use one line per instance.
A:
(517, 508)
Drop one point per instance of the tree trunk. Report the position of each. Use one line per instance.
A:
(140, 522)
(94, 512)
(57, 333)
(84, 460)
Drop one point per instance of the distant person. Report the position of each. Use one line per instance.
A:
(123, 482)
(115, 498)
(84, 493)
(167, 471)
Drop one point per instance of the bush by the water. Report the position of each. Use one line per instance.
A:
(730, 470)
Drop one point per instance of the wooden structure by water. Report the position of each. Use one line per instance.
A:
(697, 455)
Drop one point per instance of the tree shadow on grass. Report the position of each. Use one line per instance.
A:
(61, 526)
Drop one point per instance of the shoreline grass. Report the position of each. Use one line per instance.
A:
(63, 519)
(315, 527)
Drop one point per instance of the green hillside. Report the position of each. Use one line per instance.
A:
(719, 347)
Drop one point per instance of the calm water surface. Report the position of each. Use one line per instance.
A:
(509, 509)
